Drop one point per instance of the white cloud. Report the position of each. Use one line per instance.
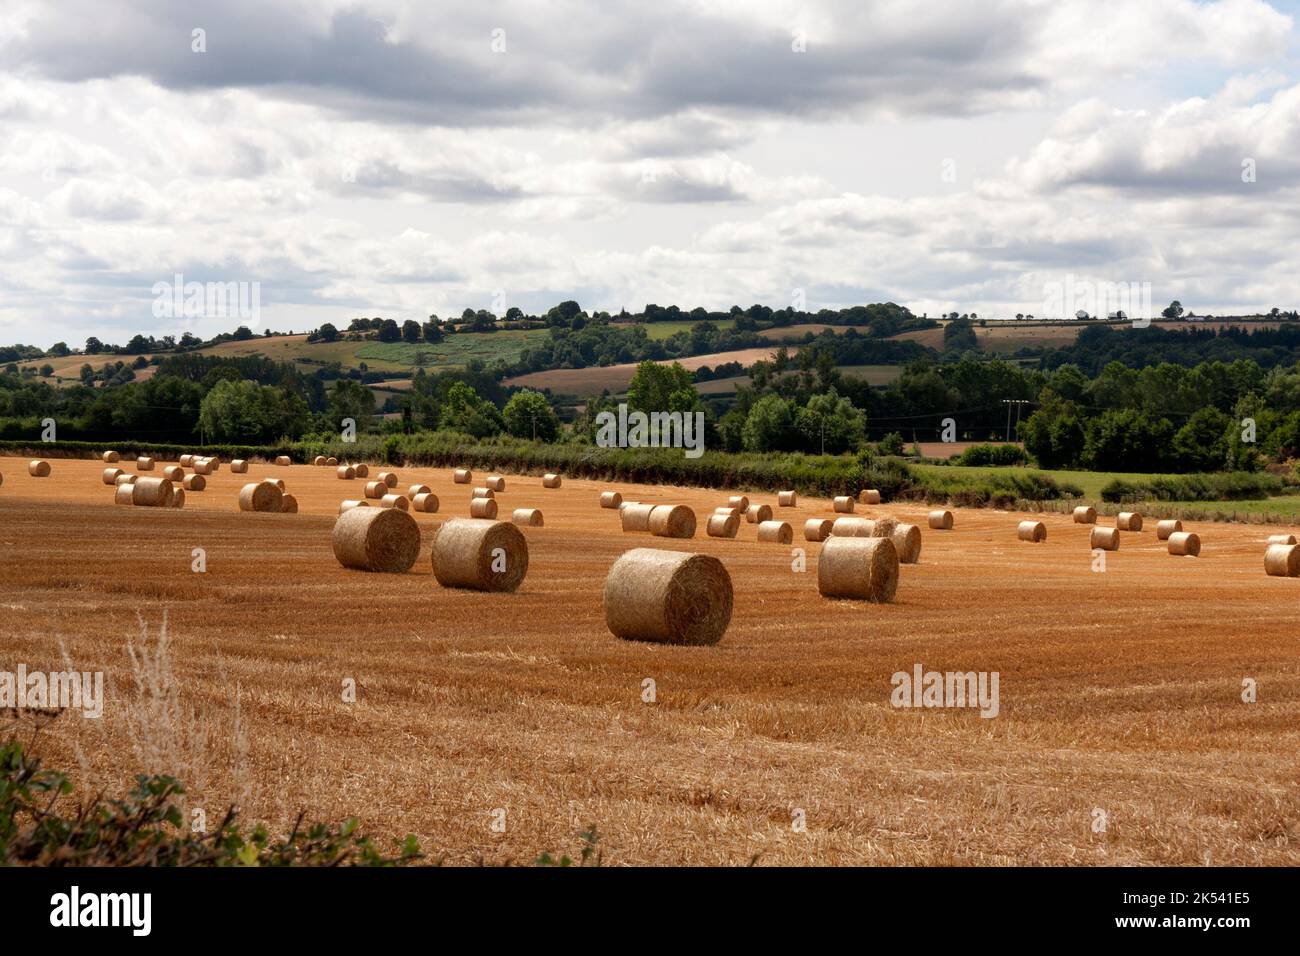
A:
(377, 157)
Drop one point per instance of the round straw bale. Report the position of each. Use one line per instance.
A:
(462, 476)
(672, 521)
(152, 492)
(376, 489)
(1165, 528)
(863, 568)
(186, 460)
(1031, 531)
(288, 505)
(194, 482)
(941, 520)
(739, 502)
(284, 461)
(331, 462)
(869, 496)
(550, 480)
(1281, 539)
(726, 511)
(376, 539)
(776, 532)
(400, 502)
(852, 527)
(349, 503)
(843, 504)
(178, 499)
(174, 473)
(722, 525)
(884, 527)
(414, 490)
(1282, 560)
(278, 482)
(123, 495)
(144, 463)
(483, 508)
(345, 472)
(362, 470)
(482, 492)
(529, 517)
(260, 496)
(38, 469)
(124, 479)
(1185, 543)
(112, 474)
(1128, 521)
(1085, 514)
(388, 477)
(907, 542)
(319, 461)
(495, 482)
(427, 502)
(669, 597)
(202, 466)
(480, 554)
(238, 466)
(635, 516)
(110, 457)
(817, 529)
(1107, 539)
(787, 499)
(610, 499)
(757, 514)
(214, 464)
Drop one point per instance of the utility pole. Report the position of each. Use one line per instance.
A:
(1016, 402)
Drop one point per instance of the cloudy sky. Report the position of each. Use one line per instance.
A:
(399, 157)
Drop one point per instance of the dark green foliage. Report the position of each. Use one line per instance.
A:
(992, 455)
(38, 827)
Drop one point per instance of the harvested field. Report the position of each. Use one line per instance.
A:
(1115, 691)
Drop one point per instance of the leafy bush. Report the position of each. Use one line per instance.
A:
(146, 828)
(1224, 486)
(993, 456)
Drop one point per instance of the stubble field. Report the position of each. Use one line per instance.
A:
(1122, 737)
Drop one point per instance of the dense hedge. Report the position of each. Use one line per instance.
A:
(820, 475)
(1229, 486)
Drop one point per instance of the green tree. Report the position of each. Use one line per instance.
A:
(243, 411)
(1202, 443)
(350, 399)
(831, 424)
(529, 415)
(769, 425)
(411, 331)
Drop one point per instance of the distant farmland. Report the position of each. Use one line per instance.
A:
(616, 378)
